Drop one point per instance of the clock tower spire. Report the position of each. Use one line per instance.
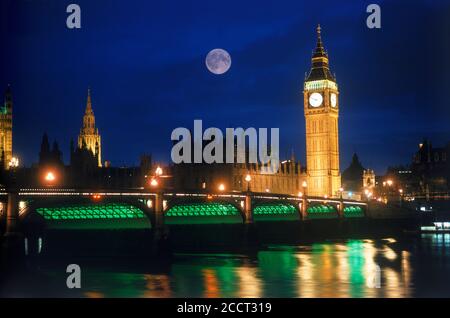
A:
(321, 108)
(89, 136)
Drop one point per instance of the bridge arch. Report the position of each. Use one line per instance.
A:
(82, 213)
(203, 212)
(322, 211)
(275, 211)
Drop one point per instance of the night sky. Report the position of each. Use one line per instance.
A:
(144, 62)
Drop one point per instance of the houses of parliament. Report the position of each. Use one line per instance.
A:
(321, 174)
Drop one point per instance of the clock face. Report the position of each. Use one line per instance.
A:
(333, 99)
(315, 99)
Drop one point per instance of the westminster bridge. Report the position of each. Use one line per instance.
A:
(72, 208)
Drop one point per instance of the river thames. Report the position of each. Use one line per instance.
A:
(410, 266)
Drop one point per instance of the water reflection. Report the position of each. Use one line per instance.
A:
(328, 269)
(347, 270)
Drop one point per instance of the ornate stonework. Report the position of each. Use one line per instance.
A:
(321, 108)
(89, 136)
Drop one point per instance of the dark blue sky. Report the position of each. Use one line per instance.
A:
(144, 62)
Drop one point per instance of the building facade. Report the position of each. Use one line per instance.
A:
(89, 137)
(431, 167)
(232, 177)
(321, 109)
(369, 179)
(6, 129)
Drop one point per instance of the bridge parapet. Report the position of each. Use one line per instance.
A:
(253, 207)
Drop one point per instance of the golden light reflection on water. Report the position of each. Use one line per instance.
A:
(211, 283)
(249, 282)
(94, 294)
(157, 286)
(347, 270)
(330, 269)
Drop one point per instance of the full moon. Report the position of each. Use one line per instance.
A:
(218, 61)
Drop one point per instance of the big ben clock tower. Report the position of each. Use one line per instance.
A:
(321, 106)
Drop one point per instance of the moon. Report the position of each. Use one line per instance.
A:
(218, 61)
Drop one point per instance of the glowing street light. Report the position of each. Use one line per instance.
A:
(14, 162)
(50, 177)
(304, 186)
(248, 178)
(154, 182)
(341, 191)
(390, 182)
(300, 194)
(221, 187)
(159, 171)
(401, 196)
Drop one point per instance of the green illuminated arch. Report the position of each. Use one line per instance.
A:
(353, 211)
(275, 211)
(321, 211)
(203, 213)
(94, 216)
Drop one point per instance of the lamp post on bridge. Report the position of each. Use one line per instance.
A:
(304, 210)
(341, 203)
(155, 183)
(13, 240)
(248, 202)
(159, 230)
(12, 211)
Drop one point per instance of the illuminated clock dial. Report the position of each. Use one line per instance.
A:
(315, 100)
(333, 99)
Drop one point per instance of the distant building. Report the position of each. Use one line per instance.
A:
(209, 177)
(6, 129)
(352, 177)
(89, 137)
(47, 156)
(431, 166)
(368, 179)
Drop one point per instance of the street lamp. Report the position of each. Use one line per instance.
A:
(341, 191)
(248, 178)
(221, 187)
(367, 193)
(304, 186)
(154, 182)
(159, 171)
(13, 163)
(50, 177)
